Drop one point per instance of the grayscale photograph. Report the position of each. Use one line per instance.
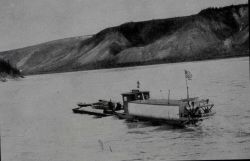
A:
(124, 80)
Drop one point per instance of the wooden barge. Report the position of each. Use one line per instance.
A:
(101, 108)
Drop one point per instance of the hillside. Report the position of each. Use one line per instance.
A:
(212, 33)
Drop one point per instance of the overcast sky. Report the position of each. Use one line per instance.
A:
(28, 22)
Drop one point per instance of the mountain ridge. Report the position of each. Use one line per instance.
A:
(212, 33)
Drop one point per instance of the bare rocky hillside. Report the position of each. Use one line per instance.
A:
(212, 33)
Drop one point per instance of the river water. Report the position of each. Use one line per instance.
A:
(37, 123)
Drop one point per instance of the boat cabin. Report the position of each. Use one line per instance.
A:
(135, 94)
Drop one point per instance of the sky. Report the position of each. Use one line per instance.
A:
(29, 22)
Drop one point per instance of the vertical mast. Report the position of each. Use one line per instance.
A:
(188, 75)
(187, 88)
(168, 95)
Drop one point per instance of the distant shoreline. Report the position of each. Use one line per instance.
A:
(7, 71)
(211, 59)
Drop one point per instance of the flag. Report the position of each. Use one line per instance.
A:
(138, 84)
(188, 75)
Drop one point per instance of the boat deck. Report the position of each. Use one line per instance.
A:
(91, 111)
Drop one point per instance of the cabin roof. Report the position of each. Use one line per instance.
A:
(134, 92)
(159, 102)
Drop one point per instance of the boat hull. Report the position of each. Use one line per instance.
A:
(173, 122)
(124, 116)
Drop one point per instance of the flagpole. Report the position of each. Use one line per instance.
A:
(187, 88)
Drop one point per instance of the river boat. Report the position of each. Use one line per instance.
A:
(137, 105)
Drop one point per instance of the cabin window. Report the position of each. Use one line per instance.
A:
(125, 99)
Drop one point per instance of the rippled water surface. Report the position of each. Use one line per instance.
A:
(37, 123)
